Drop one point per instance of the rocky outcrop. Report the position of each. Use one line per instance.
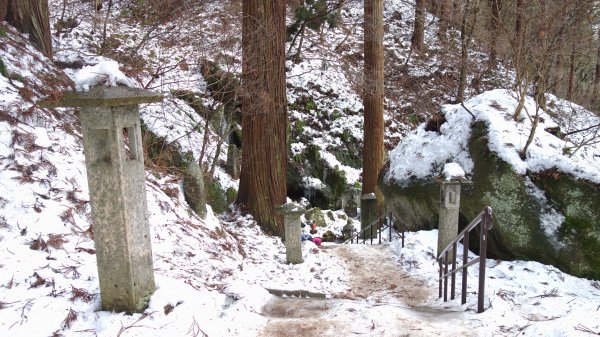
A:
(193, 189)
(518, 231)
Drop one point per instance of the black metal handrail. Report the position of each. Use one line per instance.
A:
(485, 219)
(383, 222)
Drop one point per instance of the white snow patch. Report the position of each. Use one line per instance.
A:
(105, 72)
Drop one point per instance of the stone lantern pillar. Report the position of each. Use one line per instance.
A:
(293, 229)
(368, 212)
(112, 138)
(449, 211)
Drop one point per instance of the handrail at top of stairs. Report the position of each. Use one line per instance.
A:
(485, 220)
(384, 222)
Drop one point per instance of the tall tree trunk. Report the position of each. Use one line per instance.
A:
(495, 6)
(373, 151)
(417, 39)
(519, 31)
(597, 75)
(466, 30)
(31, 17)
(264, 112)
(571, 71)
(3, 9)
(443, 11)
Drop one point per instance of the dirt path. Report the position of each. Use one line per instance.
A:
(375, 275)
(383, 301)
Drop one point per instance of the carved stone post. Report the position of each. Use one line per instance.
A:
(368, 212)
(449, 210)
(292, 224)
(112, 138)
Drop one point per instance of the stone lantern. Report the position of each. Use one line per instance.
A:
(449, 210)
(114, 161)
(293, 229)
(368, 212)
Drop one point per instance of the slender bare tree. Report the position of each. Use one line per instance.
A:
(417, 39)
(494, 24)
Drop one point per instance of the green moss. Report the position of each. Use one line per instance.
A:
(315, 215)
(143, 303)
(337, 182)
(413, 119)
(333, 178)
(3, 33)
(579, 201)
(299, 126)
(335, 114)
(346, 135)
(304, 104)
(231, 195)
(215, 196)
(3, 70)
(414, 203)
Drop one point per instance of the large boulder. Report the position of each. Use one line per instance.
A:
(579, 233)
(193, 188)
(520, 231)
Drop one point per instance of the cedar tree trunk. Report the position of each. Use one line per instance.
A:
(373, 151)
(30, 17)
(264, 113)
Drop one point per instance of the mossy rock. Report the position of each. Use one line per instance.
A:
(231, 195)
(329, 236)
(348, 230)
(3, 70)
(193, 189)
(215, 195)
(315, 215)
(579, 202)
(415, 202)
(516, 233)
(309, 163)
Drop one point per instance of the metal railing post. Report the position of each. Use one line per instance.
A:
(380, 228)
(390, 224)
(484, 220)
(440, 279)
(453, 288)
(464, 271)
(446, 276)
(482, 257)
(403, 233)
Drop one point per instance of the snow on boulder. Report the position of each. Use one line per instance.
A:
(546, 203)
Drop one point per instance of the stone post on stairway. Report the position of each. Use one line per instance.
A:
(368, 212)
(114, 160)
(293, 229)
(449, 210)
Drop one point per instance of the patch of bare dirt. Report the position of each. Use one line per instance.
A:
(376, 275)
(383, 301)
